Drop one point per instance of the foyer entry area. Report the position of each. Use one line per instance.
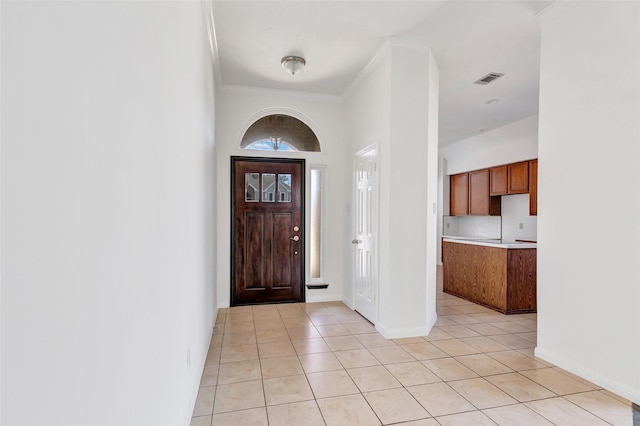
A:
(323, 364)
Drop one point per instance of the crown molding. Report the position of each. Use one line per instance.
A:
(232, 88)
(210, 28)
(381, 53)
(550, 10)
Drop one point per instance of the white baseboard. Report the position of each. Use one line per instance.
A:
(349, 303)
(632, 394)
(311, 297)
(398, 333)
(431, 322)
(200, 371)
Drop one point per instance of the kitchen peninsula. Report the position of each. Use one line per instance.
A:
(494, 273)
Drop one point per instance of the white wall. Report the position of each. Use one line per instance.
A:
(368, 114)
(508, 144)
(588, 292)
(515, 212)
(107, 211)
(237, 109)
(433, 195)
(394, 104)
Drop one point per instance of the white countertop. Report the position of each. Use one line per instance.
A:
(490, 242)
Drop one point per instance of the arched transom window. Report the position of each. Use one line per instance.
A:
(278, 132)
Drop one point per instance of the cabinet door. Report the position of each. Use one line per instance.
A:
(479, 192)
(533, 187)
(498, 177)
(518, 178)
(459, 205)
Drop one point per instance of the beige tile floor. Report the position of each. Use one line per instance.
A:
(322, 364)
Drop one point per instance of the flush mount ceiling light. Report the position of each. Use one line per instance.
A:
(293, 64)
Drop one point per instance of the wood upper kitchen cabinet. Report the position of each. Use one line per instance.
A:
(498, 180)
(509, 179)
(533, 187)
(459, 199)
(480, 202)
(518, 178)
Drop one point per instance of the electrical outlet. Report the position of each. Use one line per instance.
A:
(521, 226)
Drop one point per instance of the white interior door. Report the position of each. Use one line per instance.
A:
(365, 244)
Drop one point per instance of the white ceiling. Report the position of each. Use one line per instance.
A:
(469, 39)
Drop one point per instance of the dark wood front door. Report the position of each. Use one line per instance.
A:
(267, 232)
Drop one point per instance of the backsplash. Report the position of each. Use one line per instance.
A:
(472, 226)
(515, 211)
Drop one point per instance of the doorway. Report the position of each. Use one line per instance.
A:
(267, 230)
(365, 242)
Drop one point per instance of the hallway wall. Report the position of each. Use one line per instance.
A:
(394, 106)
(588, 276)
(107, 212)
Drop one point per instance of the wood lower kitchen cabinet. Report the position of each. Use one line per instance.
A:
(503, 279)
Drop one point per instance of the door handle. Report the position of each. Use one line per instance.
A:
(355, 241)
(295, 238)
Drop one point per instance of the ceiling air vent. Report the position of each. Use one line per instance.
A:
(489, 78)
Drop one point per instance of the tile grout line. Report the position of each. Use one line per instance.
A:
(354, 332)
(264, 393)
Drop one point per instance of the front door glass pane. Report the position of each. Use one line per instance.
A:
(252, 187)
(268, 187)
(284, 188)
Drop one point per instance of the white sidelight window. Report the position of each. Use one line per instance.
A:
(316, 225)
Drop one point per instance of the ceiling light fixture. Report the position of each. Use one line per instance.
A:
(293, 64)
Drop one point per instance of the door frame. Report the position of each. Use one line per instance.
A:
(375, 216)
(303, 213)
